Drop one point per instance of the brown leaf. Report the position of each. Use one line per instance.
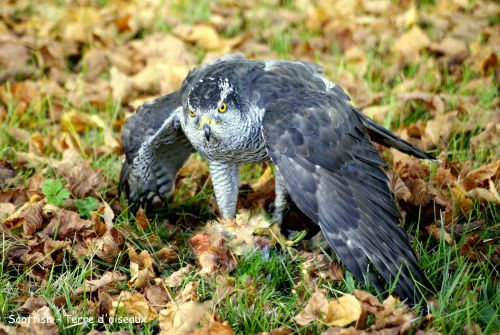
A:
(6, 171)
(394, 314)
(204, 36)
(82, 179)
(50, 245)
(182, 319)
(189, 292)
(109, 246)
(480, 176)
(157, 296)
(343, 311)
(29, 216)
(439, 234)
(108, 279)
(398, 187)
(452, 48)
(36, 144)
(134, 305)
(369, 303)
(33, 303)
(279, 331)
(437, 135)
(33, 219)
(167, 255)
(176, 278)
(141, 219)
(216, 258)
(33, 325)
(214, 328)
(7, 330)
(316, 308)
(141, 268)
(103, 213)
(485, 195)
(6, 210)
(410, 44)
(66, 224)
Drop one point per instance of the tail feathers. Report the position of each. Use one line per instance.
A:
(385, 137)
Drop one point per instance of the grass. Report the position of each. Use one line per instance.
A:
(270, 287)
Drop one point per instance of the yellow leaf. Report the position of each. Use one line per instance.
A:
(411, 43)
(343, 311)
(182, 319)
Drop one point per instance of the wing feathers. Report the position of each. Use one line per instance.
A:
(155, 149)
(335, 176)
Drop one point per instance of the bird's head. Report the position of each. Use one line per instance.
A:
(213, 111)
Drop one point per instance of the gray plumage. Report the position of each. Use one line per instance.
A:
(236, 110)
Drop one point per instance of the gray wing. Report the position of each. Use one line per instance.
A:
(155, 148)
(335, 176)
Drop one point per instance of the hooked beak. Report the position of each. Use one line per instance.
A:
(207, 130)
(205, 122)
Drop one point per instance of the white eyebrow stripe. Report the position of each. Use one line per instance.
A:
(225, 88)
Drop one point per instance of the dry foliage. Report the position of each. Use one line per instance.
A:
(62, 65)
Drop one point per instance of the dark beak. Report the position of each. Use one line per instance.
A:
(207, 130)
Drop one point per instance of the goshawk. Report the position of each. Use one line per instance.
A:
(236, 110)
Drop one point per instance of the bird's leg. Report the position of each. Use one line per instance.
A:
(281, 206)
(280, 202)
(226, 181)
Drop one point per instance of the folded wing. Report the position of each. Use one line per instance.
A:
(335, 176)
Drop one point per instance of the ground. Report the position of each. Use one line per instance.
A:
(75, 261)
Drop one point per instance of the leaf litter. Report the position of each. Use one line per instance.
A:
(59, 205)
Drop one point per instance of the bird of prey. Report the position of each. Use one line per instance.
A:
(234, 111)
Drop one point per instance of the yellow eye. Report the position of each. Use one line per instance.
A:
(191, 113)
(223, 108)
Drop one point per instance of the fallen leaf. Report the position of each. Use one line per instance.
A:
(167, 255)
(214, 328)
(343, 311)
(157, 296)
(182, 319)
(66, 224)
(439, 234)
(107, 280)
(50, 245)
(393, 314)
(480, 176)
(410, 44)
(176, 278)
(316, 308)
(485, 195)
(29, 216)
(34, 325)
(6, 210)
(453, 48)
(141, 268)
(204, 36)
(283, 330)
(189, 292)
(33, 303)
(134, 305)
(82, 179)
(7, 330)
(36, 144)
(6, 171)
(141, 219)
(109, 246)
(398, 187)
